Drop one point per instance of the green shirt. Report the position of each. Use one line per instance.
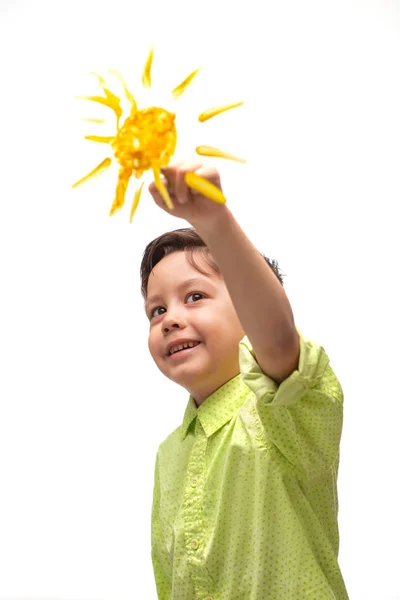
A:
(245, 494)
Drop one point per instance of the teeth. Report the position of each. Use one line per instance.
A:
(182, 346)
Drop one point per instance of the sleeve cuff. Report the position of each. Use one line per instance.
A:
(313, 362)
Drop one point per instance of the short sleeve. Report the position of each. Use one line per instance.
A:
(303, 416)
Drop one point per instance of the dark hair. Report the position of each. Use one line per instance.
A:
(187, 240)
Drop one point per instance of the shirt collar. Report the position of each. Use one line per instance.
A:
(217, 409)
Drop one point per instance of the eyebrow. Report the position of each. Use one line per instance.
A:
(185, 284)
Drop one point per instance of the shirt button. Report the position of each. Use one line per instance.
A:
(193, 482)
(194, 544)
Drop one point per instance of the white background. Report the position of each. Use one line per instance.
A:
(82, 407)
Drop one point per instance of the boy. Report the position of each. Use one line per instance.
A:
(245, 504)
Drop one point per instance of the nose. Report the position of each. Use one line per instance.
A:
(174, 319)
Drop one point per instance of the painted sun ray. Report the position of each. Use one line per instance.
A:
(120, 192)
(109, 94)
(217, 153)
(102, 139)
(205, 187)
(146, 76)
(217, 110)
(128, 95)
(178, 91)
(161, 188)
(100, 78)
(105, 101)
(135, 201)
(96, 171)
(93, 120)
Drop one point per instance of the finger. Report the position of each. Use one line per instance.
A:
(175, 176)
(169, 174)
(182, 190)
(169, 171)
(153, 188)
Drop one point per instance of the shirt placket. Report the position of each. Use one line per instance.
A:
(193, 518)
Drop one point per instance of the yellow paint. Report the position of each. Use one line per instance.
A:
(146, 140)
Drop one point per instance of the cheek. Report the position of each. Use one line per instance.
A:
(152, 345)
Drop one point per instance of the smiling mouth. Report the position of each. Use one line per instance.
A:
(183, 352)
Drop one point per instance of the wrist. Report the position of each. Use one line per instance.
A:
(213, 224)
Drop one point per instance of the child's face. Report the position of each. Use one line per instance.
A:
(179, 314)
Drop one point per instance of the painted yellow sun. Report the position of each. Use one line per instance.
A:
(147, 140)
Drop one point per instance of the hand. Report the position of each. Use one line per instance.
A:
(190, 204)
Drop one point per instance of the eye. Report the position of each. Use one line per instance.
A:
(196, 294)
(157, 307)
(154, 309)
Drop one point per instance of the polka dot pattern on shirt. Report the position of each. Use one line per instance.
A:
(245, 501)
